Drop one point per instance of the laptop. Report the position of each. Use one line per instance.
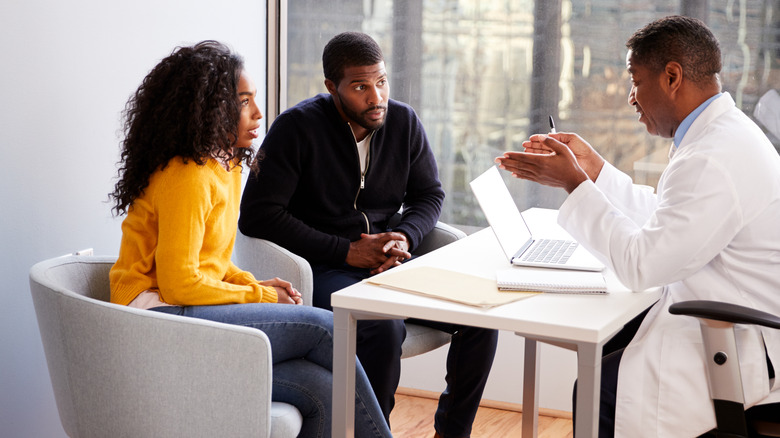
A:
(512, 232)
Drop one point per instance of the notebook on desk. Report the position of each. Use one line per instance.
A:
(522, 248)
(547, 280)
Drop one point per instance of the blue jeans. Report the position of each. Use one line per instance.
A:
(302, 354)
(469, 359)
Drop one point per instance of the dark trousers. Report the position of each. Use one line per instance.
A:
(610, 362)
(469, 359)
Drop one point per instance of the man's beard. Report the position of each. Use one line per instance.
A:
(361, 119)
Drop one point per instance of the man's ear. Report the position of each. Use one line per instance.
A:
(673, 76)
(330, 86)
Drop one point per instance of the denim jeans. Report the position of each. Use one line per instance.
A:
(302, 354)
(469, 359)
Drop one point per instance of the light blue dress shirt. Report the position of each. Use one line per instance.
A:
(688, 120)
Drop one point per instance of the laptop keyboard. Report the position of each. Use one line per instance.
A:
(550, 251)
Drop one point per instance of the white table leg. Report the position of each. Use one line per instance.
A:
(531, 389)
(588, 390)
(344, 331)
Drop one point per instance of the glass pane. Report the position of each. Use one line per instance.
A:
(484, 74)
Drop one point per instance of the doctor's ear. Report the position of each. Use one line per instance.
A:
(673, 75)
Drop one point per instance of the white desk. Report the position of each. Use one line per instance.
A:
(579, 322)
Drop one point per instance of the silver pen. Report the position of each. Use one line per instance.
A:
(552, 125)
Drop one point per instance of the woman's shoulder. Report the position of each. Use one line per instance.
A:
(185, 182)
(184, 167)
(185, 173)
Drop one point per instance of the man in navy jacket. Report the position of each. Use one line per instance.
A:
(330, 174)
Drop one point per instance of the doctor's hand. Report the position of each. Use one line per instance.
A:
(589, 160)
(285, 292)
(546, 161)
(378, 252)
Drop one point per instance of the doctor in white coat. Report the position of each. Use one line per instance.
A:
(712, 232)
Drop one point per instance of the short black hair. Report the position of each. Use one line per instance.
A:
(349, 49)
(681, 39)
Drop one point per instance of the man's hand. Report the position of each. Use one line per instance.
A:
(378, 252)
(589, 160)
(550, 162)
(285, 291)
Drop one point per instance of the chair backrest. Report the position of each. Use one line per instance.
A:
(118, 371)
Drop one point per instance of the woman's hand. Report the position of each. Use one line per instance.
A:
(285, 291)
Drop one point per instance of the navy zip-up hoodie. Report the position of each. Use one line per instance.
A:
(307, 197)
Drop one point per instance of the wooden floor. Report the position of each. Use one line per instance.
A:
(412, 417)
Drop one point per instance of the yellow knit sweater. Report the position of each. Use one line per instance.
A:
(178, 236)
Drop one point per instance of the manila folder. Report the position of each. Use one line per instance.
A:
(447, 285)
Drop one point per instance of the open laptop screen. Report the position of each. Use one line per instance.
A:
(501, 212)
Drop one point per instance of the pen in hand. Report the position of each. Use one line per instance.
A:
(552, 125)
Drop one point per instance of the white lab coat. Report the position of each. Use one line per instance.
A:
(712, 232)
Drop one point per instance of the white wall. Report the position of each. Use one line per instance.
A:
(66, 70)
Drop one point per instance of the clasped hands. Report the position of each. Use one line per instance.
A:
(558, 160)
(285, 292)
(378, 252)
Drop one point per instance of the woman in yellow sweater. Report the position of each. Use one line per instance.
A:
(188, 129)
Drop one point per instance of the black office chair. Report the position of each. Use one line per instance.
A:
(717, 325)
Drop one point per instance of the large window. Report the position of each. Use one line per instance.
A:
(484, 74)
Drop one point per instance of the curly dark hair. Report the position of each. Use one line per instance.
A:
(682, 39)
(187, 106)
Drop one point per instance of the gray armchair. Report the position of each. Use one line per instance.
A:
(124, 372)
(717, 325)
(265, 259)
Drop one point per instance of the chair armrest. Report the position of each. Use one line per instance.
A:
(726, 312)
(442, 234)
(265, 259)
